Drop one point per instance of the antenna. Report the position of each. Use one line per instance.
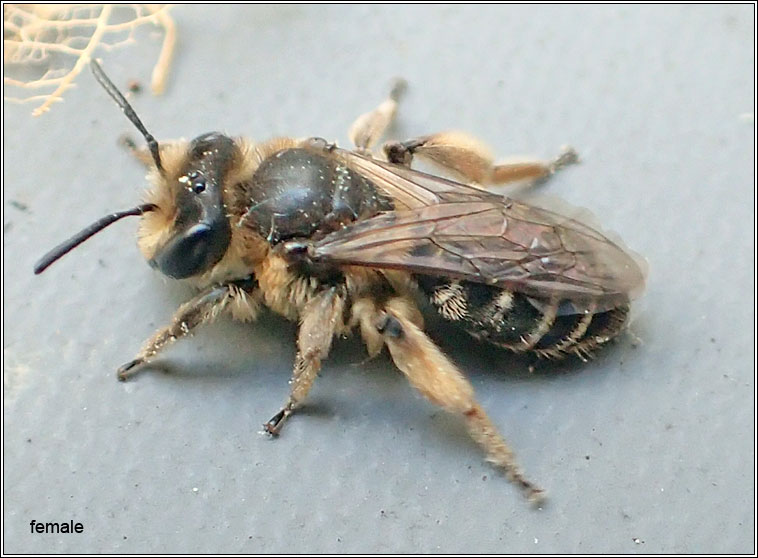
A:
(65, 247)
(121, 101)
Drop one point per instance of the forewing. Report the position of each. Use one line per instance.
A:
(450, 229)
(411, 189)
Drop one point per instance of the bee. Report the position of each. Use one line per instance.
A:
(342, 240)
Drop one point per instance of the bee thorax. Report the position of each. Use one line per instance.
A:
(299, 193)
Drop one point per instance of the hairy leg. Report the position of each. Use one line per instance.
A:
(437, 378)
(321, 320)
(471, 159)
(202, 309)
(369, 127)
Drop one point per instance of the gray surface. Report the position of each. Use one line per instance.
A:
(645, 449)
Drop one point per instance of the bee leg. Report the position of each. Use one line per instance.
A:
(531, 170)
(471, 159)
(321, 319)
(432, 373)
(202, 309)
(369, 127)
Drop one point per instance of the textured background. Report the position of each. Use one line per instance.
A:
(645, 449)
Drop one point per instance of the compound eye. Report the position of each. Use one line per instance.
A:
(192, 252)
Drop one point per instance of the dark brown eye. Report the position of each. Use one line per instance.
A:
(198, 185)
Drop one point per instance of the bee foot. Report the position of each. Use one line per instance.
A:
(533, 493)
(536, 497)
(568, 156)
(275, 423)
(127, 370)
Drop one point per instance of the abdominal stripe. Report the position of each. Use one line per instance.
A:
(511, 320)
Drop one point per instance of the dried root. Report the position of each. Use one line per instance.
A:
(61, 39)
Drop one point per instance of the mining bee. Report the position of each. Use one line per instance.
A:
(342, 240)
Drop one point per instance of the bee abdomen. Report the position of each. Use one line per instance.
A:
(513, 321)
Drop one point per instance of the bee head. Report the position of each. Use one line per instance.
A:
(184, 230)
(189, 232)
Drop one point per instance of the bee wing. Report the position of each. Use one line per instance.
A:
(411, 189)
(461, 231)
